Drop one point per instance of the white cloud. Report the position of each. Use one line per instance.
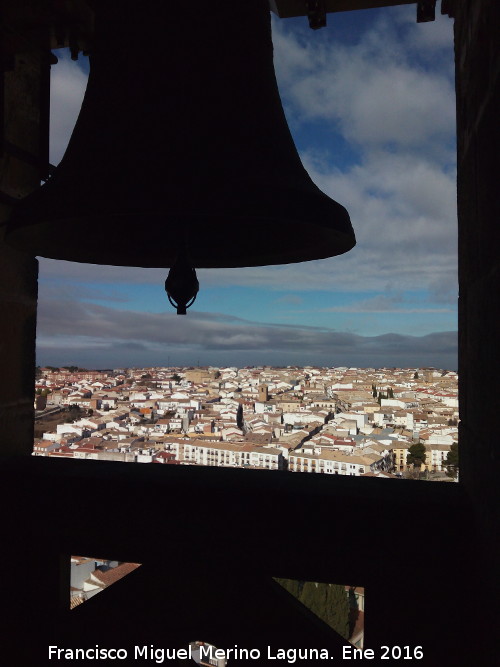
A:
(54, 269)
(389, 196)
(383, 303)
(429, 40)
(373, 91)
(67, 330)
(289, 299)
(403, 210)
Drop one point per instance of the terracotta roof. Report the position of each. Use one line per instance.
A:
(115, 574)
(44, 443)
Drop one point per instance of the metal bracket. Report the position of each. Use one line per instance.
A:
(316, 13)
(426, 11)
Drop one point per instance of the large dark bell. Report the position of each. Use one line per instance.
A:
(181, 142)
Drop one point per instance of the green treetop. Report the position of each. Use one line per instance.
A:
(416, 455)
(452, 461)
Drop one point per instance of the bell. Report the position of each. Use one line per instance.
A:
(181, 145)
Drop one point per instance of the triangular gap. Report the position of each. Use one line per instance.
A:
(339, 606)
(90, 575)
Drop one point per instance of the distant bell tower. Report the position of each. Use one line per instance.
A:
(263, 392)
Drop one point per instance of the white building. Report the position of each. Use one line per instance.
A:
(234, 455)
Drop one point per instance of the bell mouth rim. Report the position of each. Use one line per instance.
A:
(239, 241)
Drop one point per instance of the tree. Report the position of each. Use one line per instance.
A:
(451, 461)
(416, 454)
(74, 411)
(292, 586)
(176, 377)
(415, 375)
(338, 609)
(240, 421)
(328, 601)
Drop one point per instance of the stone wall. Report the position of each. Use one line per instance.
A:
(23, 134)
(477, 55)
(18, 300)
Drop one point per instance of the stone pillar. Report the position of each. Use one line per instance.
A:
(18, 299)
(24, 86)
(478, 109)
(477, 56)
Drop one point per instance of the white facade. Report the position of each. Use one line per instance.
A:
(232, 455)
(333, 463)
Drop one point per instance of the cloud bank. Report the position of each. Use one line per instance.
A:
(69, 330)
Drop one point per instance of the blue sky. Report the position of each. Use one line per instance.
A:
(370, 103)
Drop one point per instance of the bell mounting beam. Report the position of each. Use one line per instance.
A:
(316, 10)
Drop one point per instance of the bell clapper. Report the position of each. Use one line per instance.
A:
(182, 284)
